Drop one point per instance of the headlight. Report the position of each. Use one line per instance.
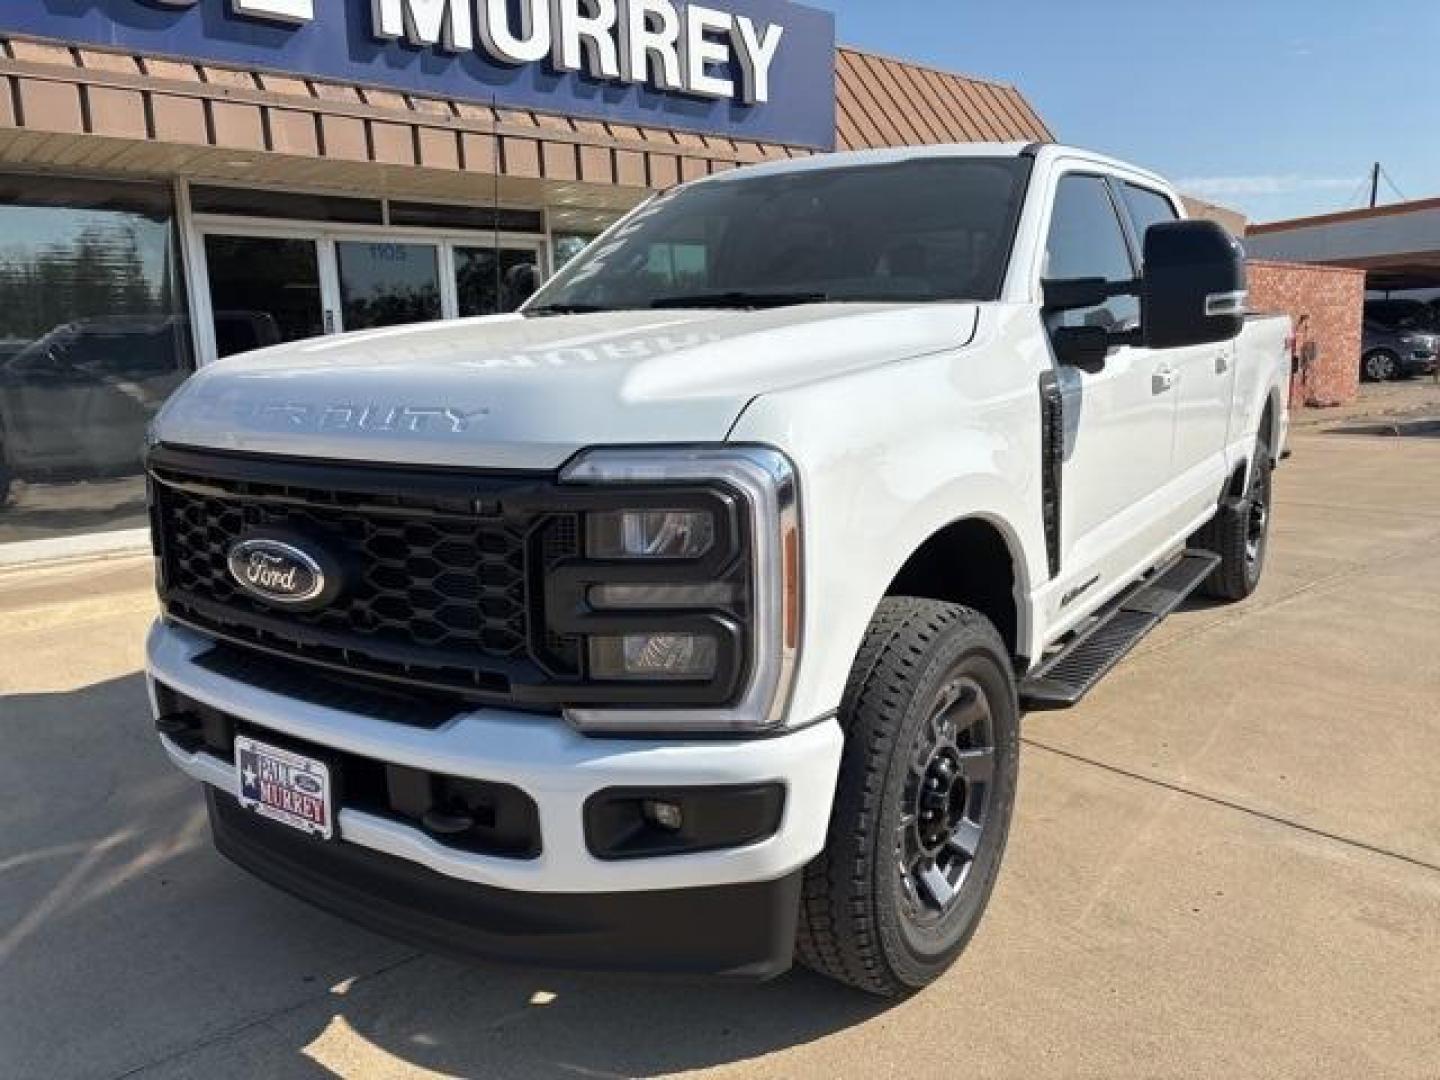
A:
(687, 596)
(653, 657)
(649, 534)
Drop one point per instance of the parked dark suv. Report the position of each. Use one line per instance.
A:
(1401, 338)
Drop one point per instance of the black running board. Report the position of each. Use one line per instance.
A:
(1063, 679)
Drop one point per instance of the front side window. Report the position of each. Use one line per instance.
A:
(922, 230)
(1086, 241)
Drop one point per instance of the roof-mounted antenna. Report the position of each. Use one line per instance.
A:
(495, 200)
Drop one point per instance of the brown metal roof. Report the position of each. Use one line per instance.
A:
(1363, 214)
(886, 102)
(93, 109)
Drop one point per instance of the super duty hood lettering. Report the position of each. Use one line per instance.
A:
(377, 418)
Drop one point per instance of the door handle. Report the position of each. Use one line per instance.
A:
(1222, 362)
(1163, 381)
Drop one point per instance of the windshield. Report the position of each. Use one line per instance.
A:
(925, 229)
(1401, 315)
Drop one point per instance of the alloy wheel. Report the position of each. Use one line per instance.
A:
(946, 803)
(1255, 525)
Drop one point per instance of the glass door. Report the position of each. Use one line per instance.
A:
(387, 283)
(489, 281)
(265, 283)
(263, 290)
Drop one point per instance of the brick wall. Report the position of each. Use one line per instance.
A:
(1326, 303)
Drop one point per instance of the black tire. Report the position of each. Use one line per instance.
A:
(871, 915)
(1379, 365)
(1240, 535)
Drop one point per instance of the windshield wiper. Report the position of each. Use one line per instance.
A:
(567, 309)
(740, 300)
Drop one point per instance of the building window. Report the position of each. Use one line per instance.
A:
(93, 338)
(386, 284)
(253, 310)
(489, 281)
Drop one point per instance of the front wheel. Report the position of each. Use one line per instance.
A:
(924, 800)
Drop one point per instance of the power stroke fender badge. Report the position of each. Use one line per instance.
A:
(280, 572)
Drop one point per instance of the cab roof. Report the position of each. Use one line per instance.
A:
(1042, 152)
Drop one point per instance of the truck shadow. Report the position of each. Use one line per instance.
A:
(127, 943)
(468, 1020)
(1391, 429)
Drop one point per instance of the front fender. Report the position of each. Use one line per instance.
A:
(886, 459)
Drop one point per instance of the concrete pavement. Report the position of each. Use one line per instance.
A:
(1226, 862)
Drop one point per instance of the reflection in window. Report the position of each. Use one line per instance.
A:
(387, 284)
(678, 264)
(1086, 241)
(487, 286)
(252, 309)
(93, 338)
(566, 246)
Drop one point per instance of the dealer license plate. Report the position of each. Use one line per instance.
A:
(285, 786)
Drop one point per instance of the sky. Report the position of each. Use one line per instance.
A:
(1276, 108)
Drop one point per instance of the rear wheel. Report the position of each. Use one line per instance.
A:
(923, 805)
(1381, 365)
(7, 478)
(1240, 535)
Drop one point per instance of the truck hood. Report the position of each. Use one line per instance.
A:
(515, 392)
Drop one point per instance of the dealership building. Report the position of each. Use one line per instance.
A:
(185, 179)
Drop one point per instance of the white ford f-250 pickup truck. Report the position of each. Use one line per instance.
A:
(683, 620)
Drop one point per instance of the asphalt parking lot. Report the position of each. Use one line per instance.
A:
(1226, 862)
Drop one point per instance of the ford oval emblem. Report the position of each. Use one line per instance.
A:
(307, 783)
(275, 571)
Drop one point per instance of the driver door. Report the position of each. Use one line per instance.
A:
(1119, 422)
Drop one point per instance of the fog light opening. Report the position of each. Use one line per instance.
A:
(666, 815)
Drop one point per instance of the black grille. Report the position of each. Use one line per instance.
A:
(437, 588)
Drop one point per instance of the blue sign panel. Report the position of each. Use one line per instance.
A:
(750, 69)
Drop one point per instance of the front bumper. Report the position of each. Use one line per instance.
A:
(378, 859)
(737, 931)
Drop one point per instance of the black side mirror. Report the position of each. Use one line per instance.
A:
(1072, 294)
(1194, 285)
(1084, 347)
